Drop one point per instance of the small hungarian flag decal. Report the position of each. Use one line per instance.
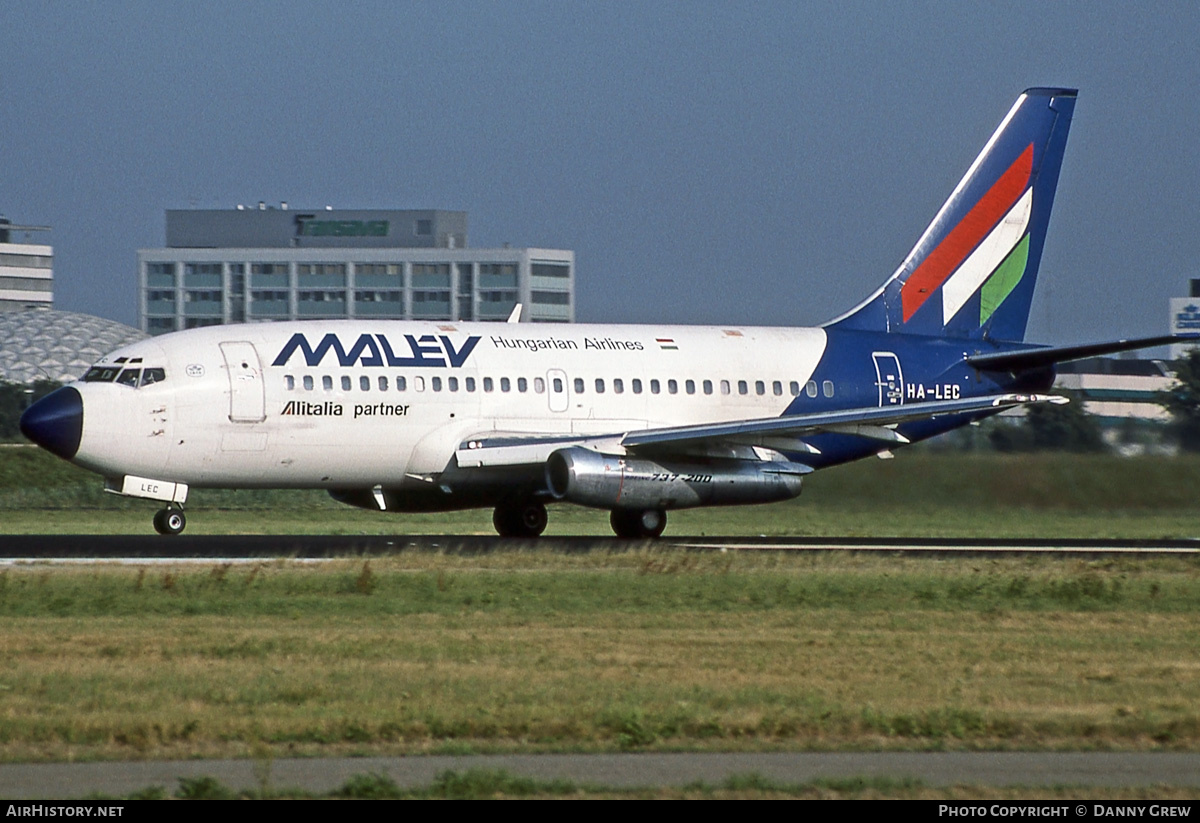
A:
(666, 344)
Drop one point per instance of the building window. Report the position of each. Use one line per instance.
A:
(552, 298)
(550, 270)
(431, 275)
(317, 269)
(423, 228)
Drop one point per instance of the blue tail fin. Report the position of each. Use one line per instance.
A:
(972, 273)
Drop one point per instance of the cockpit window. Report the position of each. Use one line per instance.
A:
(101, 374)
(127, 377)
(130, 377)
(153, 376)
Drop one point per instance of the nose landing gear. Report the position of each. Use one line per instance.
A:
(169, 521)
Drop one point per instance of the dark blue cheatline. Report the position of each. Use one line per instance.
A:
(56, 422)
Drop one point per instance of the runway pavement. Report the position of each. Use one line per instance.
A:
(1024, 769)
(48, 547)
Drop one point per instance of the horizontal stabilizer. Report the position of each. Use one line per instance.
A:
(1040, 358)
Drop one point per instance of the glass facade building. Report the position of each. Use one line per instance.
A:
(263, 264)
(26, 270)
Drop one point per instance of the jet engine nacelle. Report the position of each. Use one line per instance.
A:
(605, 481)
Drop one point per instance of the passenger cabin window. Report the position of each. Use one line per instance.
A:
(827, 388)
(810, 388)
(777, 388)
(794, 387)
(489, 384)
(364, 383)
(452, 383)
(558, 385)
(327, 382)
(419, 383)
(401, 383)
(522, 385)
(436, 383)
(673, 387)
(505, 384)
(724, 387)
(289, 382)
(690, 386)
(346, 382)
(637, 386)
(470, 381)
(308, 382)
(618, 385)
(708, 387)
(743, 387)
(654, 387)
(578, 385)
(539, 385)
(383, 383)
(599, 385)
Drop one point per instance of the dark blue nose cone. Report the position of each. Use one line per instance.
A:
(56, 422)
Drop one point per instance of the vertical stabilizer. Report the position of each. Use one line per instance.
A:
(972, 273)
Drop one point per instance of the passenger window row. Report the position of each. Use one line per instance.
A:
(488, 384)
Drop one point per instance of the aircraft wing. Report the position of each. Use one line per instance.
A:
(773, 432)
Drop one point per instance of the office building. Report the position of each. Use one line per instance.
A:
(26, 269)
(264, 263)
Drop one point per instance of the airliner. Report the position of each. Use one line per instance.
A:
(399, 416)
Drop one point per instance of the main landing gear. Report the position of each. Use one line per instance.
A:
(634, 523)
(169, 521)
(521, 518)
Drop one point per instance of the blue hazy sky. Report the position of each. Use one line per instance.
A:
(728, 162)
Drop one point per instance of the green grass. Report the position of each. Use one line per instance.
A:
(638, 650)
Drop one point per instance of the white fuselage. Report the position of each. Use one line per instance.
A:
(386, 400)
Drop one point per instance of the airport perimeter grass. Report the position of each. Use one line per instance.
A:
(641, 649)
(920, 493)
(646, 649)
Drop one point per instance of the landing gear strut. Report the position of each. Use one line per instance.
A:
(522, 518)
(634, 523)
(169, 521)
